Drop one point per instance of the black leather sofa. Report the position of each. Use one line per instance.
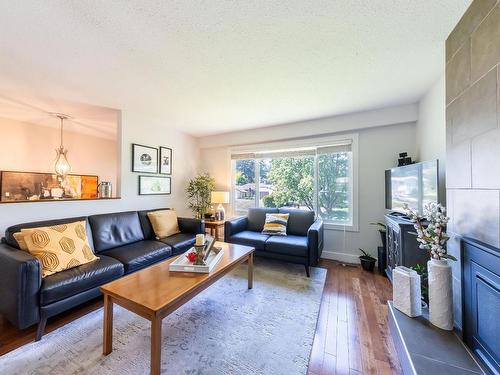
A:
(303, 243)
(125, 242)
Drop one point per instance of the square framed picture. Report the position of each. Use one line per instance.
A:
(165, 160)
(155, 185)
(144, 159)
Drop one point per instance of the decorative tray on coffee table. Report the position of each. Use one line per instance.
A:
(182, 264)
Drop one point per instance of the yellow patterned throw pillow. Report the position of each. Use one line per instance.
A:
(19, 237)
(59, 247)
(276, 224)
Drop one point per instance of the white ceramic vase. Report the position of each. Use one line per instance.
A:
(406, 292)
(440, 294)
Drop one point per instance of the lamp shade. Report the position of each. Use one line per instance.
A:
(219, 197)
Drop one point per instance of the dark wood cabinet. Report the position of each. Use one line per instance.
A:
(402, 245)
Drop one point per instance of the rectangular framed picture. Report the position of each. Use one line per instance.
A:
(144, 159)
(165, 160)
(155, 185)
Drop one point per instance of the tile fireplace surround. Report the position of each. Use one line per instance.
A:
(473, 133)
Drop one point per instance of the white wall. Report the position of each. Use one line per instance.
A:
(136, 128)
(314, 127)
(378, 150)
(30, 147)
(431, 130)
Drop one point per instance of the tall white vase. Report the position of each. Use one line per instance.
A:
(440, 294)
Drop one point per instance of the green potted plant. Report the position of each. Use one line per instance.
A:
(367, 261)
(424, 282)
(381, 229)
(198, 192)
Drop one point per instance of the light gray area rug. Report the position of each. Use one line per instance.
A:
(227, 329)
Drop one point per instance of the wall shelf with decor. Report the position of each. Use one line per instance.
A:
(20, 186)
(62, 200)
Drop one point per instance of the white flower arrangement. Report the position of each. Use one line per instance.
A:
(432, 238)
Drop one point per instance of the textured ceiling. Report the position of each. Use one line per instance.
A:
(214, 66)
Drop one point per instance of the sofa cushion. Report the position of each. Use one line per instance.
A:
(275, 224)
(59, 247)
(299, 221)
(140, 254)
(289, 245)
(20, 241)
(249, 238)
(147, 228)
(79, 279)
(116, 229)
(9, 233)
(180, 242)
(164, 223)
(257, 218)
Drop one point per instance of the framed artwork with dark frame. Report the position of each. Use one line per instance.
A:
(155, 185)
(165, 160)
(144, 159)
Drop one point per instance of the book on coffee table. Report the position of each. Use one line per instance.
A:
(182, 264)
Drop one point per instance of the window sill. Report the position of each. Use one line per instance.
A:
(341, 227)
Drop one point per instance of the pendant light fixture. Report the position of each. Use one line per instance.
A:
(62, 166)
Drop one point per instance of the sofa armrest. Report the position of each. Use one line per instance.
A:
(315, 236)
(190, 225)
(233, 226)
(20, 281)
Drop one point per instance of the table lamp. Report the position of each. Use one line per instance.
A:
(220, 197)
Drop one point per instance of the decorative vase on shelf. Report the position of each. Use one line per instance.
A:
(432, 237)
(440, 294)
(406, 293)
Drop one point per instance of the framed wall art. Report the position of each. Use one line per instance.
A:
(165, 160)
(144, 159)
(155, 185)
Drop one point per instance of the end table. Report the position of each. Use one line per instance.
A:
(214, 227)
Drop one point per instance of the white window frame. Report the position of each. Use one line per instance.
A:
(353, 226)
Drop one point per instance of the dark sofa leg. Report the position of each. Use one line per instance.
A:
(41, 329)
(308, 271)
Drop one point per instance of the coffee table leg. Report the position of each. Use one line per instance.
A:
(107, 346)
(250, 271)
(155, 346)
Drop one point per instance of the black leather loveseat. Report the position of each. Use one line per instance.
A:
(303, 243)
(124, 242)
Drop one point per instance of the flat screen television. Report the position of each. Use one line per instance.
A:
(415, 184)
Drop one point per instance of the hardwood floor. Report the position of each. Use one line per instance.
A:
(12, 338)
(352, 336)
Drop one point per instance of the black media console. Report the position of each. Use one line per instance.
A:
(402, 245)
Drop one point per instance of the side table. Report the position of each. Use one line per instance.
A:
(214, 227)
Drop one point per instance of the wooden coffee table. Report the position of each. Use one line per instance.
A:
(155, 292)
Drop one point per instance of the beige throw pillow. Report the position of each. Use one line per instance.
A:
(164, 223)
(59, 247)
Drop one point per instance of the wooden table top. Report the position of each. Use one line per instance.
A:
(155, 288)
(214, 222)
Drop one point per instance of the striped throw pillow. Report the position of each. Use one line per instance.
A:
(276, 224)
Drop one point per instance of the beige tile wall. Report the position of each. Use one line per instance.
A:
(473, 131)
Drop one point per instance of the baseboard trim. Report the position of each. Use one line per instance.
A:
(341, 257)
